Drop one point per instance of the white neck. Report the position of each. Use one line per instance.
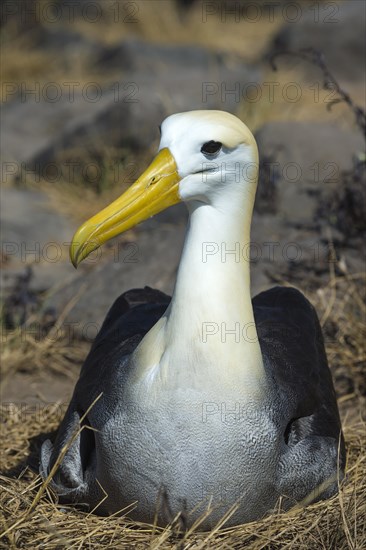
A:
(208, 329)
(213, 279)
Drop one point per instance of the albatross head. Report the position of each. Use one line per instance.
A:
(205, 157)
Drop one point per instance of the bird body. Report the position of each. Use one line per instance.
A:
(208, 400)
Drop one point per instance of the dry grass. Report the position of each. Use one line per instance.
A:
(30, 518)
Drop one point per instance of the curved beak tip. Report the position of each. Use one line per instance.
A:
(81, 250)
(73, 258)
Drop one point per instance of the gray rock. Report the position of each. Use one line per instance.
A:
(37, 129)
(27, 216)
(65, 41)
(309, 157)
(133, 55)
(292, 244)
(33, 234)
(337, 30)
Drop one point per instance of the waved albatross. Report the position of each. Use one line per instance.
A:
(191, 417)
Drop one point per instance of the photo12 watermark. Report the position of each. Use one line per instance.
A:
(89, 11)
(95, 173)
(269, 11)
(52, 252)
(269, 251)
(69, 91)
(23, 411)
(268, 92)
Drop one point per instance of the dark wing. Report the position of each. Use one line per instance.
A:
(294, 356)
(132, 315)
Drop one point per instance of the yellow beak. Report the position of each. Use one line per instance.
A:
(154, 191)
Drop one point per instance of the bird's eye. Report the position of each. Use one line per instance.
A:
(211, 147)
(159, 129)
